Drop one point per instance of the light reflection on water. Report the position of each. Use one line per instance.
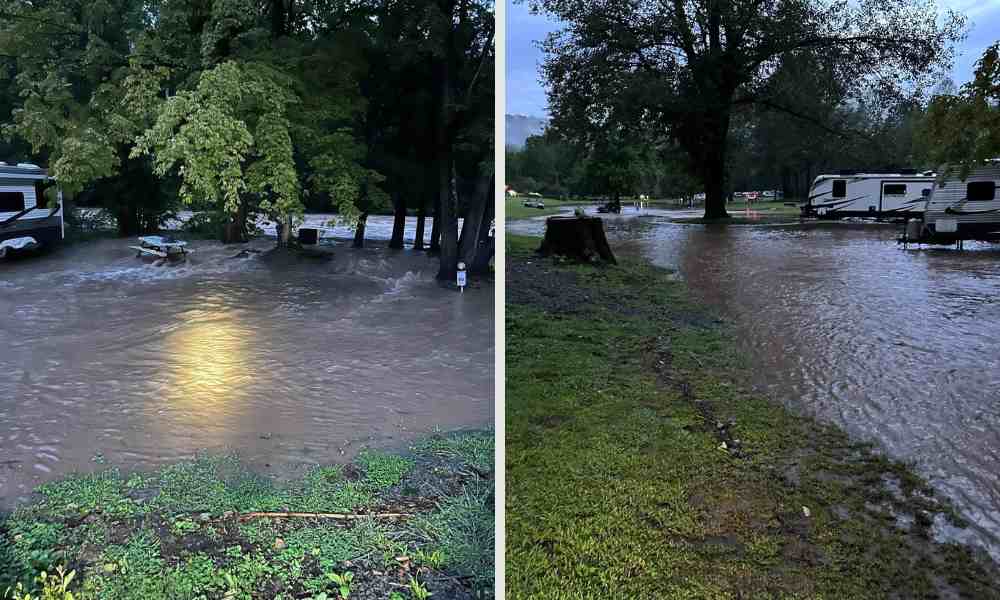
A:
(287, 361)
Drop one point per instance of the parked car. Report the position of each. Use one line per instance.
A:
(533, 204)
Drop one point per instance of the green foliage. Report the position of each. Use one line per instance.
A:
(82, 494)
(35, 547)
(962, 131)
(417, 589)
(343, 582)
(53, 586)
(382, 470)
(167, 535)
(205, 134)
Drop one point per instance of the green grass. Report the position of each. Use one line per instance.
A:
(176, 533)
(514, 209)
(618, 485)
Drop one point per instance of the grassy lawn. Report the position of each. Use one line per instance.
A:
(513, 208)
(189, 530)
(766, 207)
(639, 465)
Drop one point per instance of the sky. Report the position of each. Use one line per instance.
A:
(526, 96)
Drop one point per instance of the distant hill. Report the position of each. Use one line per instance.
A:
(519, 127)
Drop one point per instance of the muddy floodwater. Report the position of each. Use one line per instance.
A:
(110, 360)
(901, 347)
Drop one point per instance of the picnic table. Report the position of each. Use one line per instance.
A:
(160, 246)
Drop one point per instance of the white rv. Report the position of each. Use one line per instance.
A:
(881, 195)
(27, 219)
(965, 209)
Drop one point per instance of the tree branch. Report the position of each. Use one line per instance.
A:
(841, 133)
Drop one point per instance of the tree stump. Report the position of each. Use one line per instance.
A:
(577, 237)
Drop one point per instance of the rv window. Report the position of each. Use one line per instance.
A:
(981, 191)
(894, 189)
(839, 188)
(925, 192)
(11, 202)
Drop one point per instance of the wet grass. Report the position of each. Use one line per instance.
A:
(186, 531)
(640, 465)
(514, 207)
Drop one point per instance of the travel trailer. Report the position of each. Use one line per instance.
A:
(27, 220)
(879, 195)
(963, 209)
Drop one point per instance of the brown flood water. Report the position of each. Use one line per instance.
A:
(901, 347)
(109, 360)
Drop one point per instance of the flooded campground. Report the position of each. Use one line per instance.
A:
(897, 346)
(110, 360)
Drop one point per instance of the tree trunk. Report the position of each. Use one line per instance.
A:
(485, 247)
(435, 246)
(713, 167)
(449, 223)
(468, 242)
(285, 231)
(235, 230)
(399, 221)
(418, 238)
(581, 238)
(359, 231)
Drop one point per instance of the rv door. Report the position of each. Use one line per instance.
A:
(893, 197)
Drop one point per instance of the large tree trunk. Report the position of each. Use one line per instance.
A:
(713, 166)
(418, 237)
(399, 221)
(359, 231)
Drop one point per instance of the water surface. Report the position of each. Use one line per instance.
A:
(110, 359)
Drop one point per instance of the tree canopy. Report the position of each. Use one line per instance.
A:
(253, 106)
(962, 130)
(686, 68)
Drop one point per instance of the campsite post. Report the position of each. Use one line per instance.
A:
(460, 276)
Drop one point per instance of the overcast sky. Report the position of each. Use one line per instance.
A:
(525, 95)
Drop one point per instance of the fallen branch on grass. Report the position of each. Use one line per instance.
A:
(315, 515)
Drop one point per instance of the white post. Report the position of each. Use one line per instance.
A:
(461, 277)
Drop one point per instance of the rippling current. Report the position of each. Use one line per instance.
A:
(839, 322)
(106, 359)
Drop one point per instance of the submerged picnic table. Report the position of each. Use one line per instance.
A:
(163, 247)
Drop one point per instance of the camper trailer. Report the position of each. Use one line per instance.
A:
(879, 195)
(964, 209)
(27, 220)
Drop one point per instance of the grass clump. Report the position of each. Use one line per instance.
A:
(463, 535)
(474, 449)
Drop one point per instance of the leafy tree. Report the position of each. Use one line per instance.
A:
(962, 130)
(229, 137)
(69, 73)
(686, 67)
